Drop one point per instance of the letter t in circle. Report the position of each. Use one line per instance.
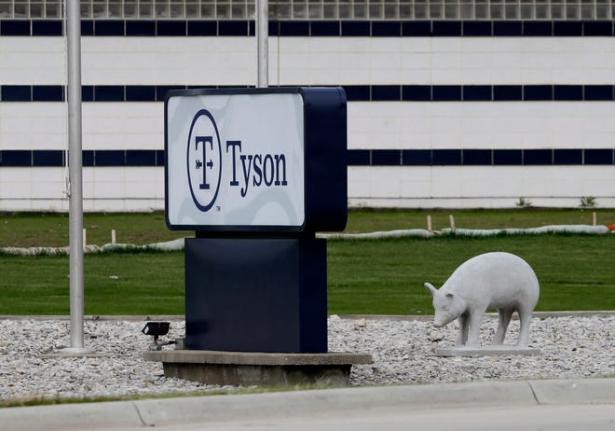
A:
(208, 163)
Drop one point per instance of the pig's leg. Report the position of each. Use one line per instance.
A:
(463, 330)
(475, 318)
(525, 316)
(505, 314)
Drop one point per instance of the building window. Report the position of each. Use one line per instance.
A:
(319, 9)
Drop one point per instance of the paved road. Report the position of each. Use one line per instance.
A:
(529, 418)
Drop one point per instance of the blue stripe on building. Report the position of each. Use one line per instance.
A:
(333, 28)
(414, 157)
(354, 93)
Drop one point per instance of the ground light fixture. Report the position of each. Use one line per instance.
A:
(156, 330)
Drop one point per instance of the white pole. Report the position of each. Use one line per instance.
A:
(429, 224)
(73, 37)
(113, 236)
(262, 36)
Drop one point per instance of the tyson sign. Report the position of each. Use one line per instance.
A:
(242, 160)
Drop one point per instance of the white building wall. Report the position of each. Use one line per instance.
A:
(104, 189)
(480, 186)
(106, 125)
(519, 125)
(372, 125)
(142, 188)
(315, 60)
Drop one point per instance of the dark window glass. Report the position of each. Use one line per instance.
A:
(568, 157)
(16, 93)
(386, 92)
(140, 158)
(477, 157)
(416, 157)
(15, 158)
(48, 93)
(599, 157)
(446, 92)
(357, 93)
(538, 157)
(477, 92)
(386, 157)
(507, 157)
(416, 92)
(446, 157)
(110, 158)
(140, 28)
(507, 92)
(325, 28)
(48, 158)
(359, 157)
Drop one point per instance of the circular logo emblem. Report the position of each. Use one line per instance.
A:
(204, 160)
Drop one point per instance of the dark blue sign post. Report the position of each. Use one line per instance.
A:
(256, 173)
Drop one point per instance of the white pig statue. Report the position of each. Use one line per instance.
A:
(499, 281)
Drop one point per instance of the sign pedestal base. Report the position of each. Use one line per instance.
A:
(256, 294)
(271, 369)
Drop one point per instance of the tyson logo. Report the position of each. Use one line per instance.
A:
(204, 160)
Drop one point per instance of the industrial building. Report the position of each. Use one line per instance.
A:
(466, 103)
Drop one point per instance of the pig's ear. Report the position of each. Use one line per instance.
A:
(431, 289)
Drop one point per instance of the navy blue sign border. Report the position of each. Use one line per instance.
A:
(325, 159)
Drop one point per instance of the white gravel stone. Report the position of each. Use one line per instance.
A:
(26, 374)
(402, 352)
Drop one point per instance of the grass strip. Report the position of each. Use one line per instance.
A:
(365, 277)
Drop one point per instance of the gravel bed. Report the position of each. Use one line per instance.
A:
(402, 352)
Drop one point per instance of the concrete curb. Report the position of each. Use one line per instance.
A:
(157, 412)
(71, 417)
(579, 391)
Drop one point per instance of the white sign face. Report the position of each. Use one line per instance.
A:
(235, 160)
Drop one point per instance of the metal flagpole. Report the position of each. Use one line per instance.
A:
(262, 36)
(73, 37)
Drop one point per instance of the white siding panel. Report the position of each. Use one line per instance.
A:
(29, 126)
(317, 60)
(118, 126)
(546, 184)
(372, 125)
(404, 125)
(28, 60)
(106, 125)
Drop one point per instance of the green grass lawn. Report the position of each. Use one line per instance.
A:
(372, 220)
(374, 277)
(386, 277)
(51, 229)
(47, 229)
